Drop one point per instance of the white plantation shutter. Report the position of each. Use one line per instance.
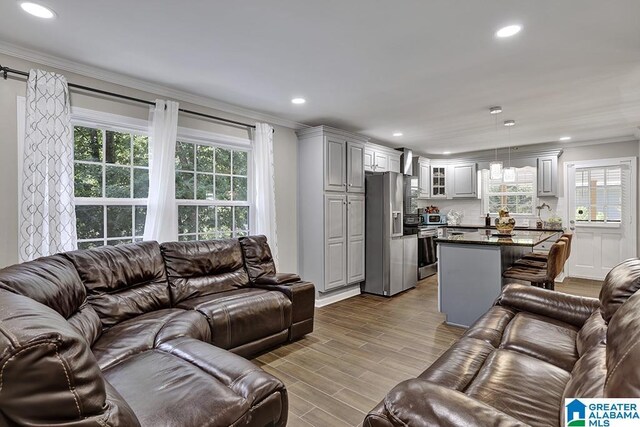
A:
(599, 193)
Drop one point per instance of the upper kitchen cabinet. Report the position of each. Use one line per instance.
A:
(355, 167)
(422, 168)
(335, 164)
(438, 180)
(343, 164)
(548, 176)
(378, 158)
(464, 180)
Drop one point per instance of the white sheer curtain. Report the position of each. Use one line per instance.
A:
(162, 212)
(264, 189)
(47, 211)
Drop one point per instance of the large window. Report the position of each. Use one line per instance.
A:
(111, 185)
(212, 189)
(518, 196)
(599, 194)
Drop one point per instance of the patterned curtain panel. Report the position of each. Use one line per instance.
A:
(47, 211)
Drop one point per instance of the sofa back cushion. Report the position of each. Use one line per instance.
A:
(203, 268)
(623, 350)
(49, 374)
(54, 282)
(257, 256)
(619, 284)
(123, 281)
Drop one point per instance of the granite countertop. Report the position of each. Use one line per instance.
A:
(484, 227)
(528, 238)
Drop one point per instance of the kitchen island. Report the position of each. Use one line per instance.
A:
(470, 267)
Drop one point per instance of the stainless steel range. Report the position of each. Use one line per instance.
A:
(427, 255)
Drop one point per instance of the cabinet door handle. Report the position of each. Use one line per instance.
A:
(350, 185)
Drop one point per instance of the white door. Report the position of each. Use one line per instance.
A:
(335, 254)
(601, 210)
(355, 238)
(355, 167)
(335, 173)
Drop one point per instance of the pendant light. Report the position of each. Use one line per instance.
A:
(495, 167)
(509, 173)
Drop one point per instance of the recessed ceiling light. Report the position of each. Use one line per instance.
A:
(509, 123)
(397, 134)
(298, 101)
(565, 138)
(508, 31)
(495, 110)
(37, 10)
(446, 152)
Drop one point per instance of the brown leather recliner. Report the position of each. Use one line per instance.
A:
(517, 363)
(97, 338)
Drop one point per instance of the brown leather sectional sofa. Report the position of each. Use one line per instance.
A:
(518, 362)
(148, 335)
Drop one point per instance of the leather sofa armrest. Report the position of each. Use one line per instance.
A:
(277, 279)
(302, 295)
(417, 402)
(567, 308)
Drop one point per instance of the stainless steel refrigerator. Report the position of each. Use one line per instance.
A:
(391, 258)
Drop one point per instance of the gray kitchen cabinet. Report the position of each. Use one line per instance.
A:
(394, 163)
(355, 238)
(368, 158)
(381, 162)
(335, 240)
(355, 167)
(424, 177)
(438, 187)
(464, 180)
(335, 163)
(331, 232)
(548, 176)
(378, 158)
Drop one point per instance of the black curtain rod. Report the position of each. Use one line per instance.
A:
(6, 70)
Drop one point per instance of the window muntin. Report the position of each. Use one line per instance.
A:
(598, 195)
(111, 180)
(212, 186)
(518, 196)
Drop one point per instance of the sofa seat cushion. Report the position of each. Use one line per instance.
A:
(147, 332)
(543, 338)
(459, 365)
(524, 387)
(243, 315)
(191, 383)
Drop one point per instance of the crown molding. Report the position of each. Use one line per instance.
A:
(322, 129)
(139, 84)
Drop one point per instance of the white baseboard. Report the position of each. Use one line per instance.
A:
(322, 301)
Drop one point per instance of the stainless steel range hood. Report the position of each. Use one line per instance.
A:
(406, 161)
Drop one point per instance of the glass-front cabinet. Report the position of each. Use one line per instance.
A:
(438, 181)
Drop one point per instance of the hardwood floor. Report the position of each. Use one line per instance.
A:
(362, 347)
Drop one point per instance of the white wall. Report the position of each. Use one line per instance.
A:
(285, 154)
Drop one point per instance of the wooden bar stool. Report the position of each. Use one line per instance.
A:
(543, 278)
(541, 262)
(536, 256)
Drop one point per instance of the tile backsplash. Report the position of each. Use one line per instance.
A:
(473, 214)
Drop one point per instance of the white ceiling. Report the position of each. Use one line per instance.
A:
(430, 69)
